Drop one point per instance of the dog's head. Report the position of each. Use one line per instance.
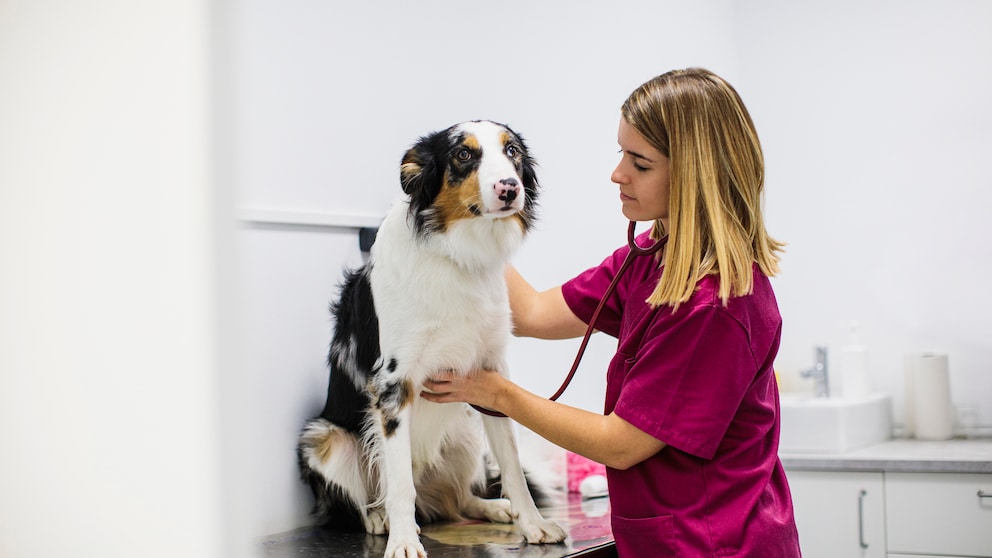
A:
(472, 170)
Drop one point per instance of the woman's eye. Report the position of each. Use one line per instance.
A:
(463, 155)
(640, 168)
(512, 151)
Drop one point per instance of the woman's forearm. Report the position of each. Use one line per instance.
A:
(606, 439)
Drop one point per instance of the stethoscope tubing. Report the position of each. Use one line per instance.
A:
(635, 251)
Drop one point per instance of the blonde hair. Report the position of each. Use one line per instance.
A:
(716, 174)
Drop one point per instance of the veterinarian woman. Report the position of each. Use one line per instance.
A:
(691, 426)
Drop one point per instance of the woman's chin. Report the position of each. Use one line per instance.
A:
(632, 214)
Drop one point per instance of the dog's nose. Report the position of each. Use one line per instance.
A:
(507, 190)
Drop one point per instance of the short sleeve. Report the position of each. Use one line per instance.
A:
(583, 293)
(687, 380)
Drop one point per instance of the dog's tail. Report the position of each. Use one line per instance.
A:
(325, 452)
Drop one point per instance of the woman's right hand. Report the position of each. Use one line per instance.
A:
(480, 388)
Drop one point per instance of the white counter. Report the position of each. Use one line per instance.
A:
(908, 456)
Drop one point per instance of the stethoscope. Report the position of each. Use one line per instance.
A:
(635, 251)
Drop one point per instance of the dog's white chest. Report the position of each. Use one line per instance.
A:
(434, 313)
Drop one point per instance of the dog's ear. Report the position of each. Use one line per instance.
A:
(528, 173)
(415, 171)
(422, 171)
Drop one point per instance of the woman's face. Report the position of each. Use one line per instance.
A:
(642, 175)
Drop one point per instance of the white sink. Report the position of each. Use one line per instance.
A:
(834, 424)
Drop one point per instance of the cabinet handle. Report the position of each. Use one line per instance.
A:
(983, 494)
(861, 518)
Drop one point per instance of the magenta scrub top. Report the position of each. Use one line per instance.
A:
(700, 380)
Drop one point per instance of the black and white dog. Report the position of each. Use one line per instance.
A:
(431, 297)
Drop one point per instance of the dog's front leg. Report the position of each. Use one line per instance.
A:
(393, 407)
(503, 444)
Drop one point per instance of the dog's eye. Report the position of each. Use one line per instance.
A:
(464, 155)
(512, 151)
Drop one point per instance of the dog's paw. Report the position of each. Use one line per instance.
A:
(376, 522)
(404, 546)
(498, 510)
(542, 531)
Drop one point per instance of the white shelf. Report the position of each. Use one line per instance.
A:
(308, 218)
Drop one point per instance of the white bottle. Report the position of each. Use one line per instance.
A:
(854, 367)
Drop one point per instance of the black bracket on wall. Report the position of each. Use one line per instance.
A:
(366, 237)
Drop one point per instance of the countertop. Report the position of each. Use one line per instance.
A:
(906, 456)
(587, 523)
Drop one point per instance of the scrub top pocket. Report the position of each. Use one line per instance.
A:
(650, 536)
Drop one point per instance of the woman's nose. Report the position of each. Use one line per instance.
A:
(618, 177)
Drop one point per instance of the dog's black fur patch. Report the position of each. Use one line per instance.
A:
(356, 331)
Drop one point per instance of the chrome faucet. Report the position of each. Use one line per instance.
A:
(819, 374)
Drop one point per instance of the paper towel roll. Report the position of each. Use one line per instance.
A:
(910, 373)
(928, 398)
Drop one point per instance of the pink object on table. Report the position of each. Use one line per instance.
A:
(583, 469)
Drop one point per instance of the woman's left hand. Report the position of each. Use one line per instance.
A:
(479, 387)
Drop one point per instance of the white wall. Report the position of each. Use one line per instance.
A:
(875, 120)
(871, 116)
(109, 339)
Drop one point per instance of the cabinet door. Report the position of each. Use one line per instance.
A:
(939, 514)
(839, 515)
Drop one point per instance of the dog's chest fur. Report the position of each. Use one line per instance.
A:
(436, 312)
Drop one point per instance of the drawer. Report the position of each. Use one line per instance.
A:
(938, 514)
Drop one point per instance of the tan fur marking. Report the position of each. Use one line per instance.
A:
(406, 394)
(323, 445)
(453, 203)
(437, 499)
(409, 169)
(519, 218)
(387, 413)
(391, 398)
